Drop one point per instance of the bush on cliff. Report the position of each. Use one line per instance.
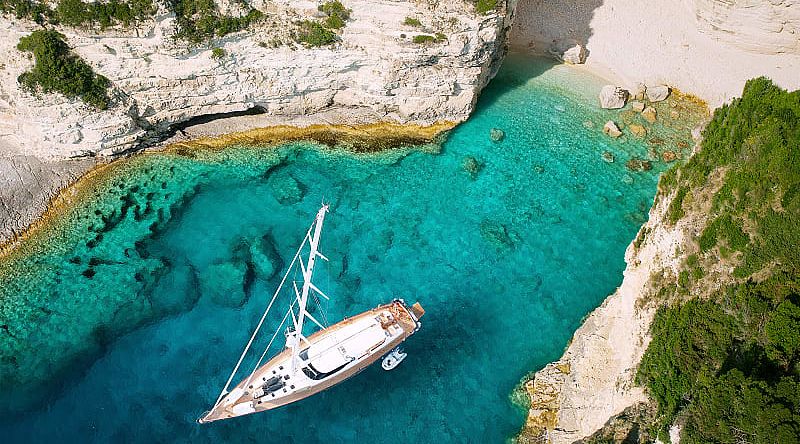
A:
(58, 69)
(81, 14)
(485, 6)
(729, 364)
(199, 20)
(336, 12)
(313, 34)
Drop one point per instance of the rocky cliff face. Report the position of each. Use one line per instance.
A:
(593, 381)
(376, 73)
(704, 47)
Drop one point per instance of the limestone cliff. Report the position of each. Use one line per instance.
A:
(375, 73)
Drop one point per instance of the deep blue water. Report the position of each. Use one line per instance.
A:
(506, 261)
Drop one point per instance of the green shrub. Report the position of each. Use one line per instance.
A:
(335, 7)
(425, 38)
(313, 34)
(411, 21)
(217, 53)
(58, 69)
(78, 13)
(334, 22)
(337, 14)
(484, 6)
(81, 14)
(675, 211)
(199, 20)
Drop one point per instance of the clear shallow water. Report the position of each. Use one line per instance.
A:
(179, 256)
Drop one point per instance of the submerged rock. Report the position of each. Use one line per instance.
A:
(637, 130)
(649, 114)
(636, 164)
(613, 97)
(669, 156)
(608, 156)
(611, 129)
(472, 166)
(657, 93)
(286, 189)
(223, 284)
(497, 233)
(497, 135)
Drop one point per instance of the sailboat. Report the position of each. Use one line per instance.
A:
(310, 364)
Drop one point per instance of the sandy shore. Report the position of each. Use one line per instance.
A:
(707, 48)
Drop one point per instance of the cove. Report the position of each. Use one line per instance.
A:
(122, 321)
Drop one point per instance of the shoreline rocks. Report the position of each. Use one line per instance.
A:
(657, 93)
(611, 129)
(613, 97)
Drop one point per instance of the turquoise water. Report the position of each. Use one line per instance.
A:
(125, 328)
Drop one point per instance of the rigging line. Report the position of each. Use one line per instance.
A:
(263, 317)
(274, 335)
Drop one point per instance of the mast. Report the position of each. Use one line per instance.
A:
(295, 336)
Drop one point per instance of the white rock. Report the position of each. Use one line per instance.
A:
(612, 129)
(637, 106)
(638, 91)
(613, 97)
(575, 55)
(657, 93)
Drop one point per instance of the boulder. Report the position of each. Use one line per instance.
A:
(568, 51)
(496, 134)
(637, 106)
(657, 93)
(611, 129)
(613, 97)
(638, 91)
(637, 130)
(649, 114)
(575, 55)
(608, 156)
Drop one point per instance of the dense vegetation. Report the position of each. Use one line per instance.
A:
(81, 14)
(200, 20)
(315, 33)
(197, 20)
(57, 69)
(728, 363)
